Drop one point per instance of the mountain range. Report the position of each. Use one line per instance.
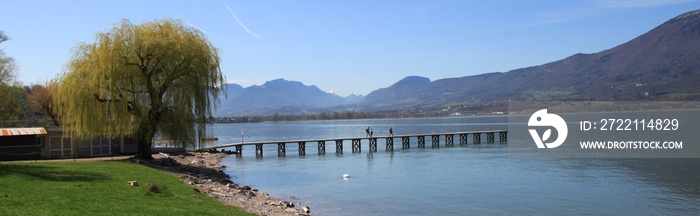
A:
(662, 64)
(279, 96)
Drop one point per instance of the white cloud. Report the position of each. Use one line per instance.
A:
(595, 8)
(239, 21)
(560, 16)
(639, 3)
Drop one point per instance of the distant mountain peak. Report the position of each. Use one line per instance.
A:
(281, 81)
(413, 80)
(282, 84)
(686, 15)
(279, 95)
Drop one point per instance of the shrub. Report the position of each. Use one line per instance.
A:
(154, 187)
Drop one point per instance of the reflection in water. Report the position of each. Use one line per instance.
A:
(670, 185)
(679, 177)
(391, 157)
(370, 158)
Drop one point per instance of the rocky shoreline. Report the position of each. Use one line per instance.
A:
(204, 171)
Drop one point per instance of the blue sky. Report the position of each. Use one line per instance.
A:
(345, 46)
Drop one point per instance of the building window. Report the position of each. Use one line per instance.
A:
(40, 141)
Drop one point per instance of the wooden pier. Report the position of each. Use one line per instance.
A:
(356, 143)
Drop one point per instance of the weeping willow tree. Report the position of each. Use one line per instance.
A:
(157, 78)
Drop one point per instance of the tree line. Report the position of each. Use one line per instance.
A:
(305, 117)
(410, 112)
(21, 105)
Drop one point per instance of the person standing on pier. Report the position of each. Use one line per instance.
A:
(391, 131)
(371, 132)
(367, 130)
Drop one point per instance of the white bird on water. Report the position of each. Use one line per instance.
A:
(345, 176)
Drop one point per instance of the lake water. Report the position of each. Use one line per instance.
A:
(461, 180)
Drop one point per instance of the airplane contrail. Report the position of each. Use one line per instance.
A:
(187, 22)
(194, 26)
(239, 21)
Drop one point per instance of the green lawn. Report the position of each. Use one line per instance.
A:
(92, 188)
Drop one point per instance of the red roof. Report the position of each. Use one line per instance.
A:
(22, 131)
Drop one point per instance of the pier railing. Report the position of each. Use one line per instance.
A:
(356, 142)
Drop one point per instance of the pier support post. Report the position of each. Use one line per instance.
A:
(503, 136)
(239, 149)
(490, 137)
(339, 146)
(463, 139)
(302, 148)
(321, 147)
(372, 144)
(390, 143)
(477, 138)
(421, 141)
(435, 141)
(449, 140)
(406, 142)
(356, 145)
(281, 149)
(258, 150)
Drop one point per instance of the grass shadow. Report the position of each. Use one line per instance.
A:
(49, 173)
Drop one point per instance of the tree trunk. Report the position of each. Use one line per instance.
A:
(144, 137)
(144, 149)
